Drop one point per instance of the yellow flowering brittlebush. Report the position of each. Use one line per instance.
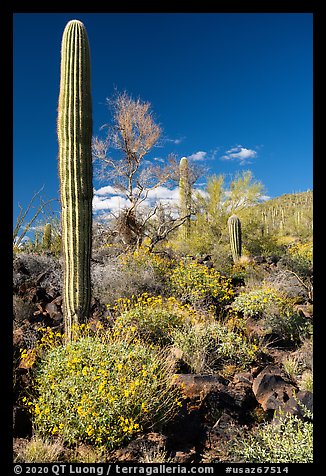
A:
(253, 303)
(102, 391)
(49, 339)
(153, 317)
(302, 251)
(193, 281)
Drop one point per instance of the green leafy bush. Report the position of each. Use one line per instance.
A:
(153, 318)
(289, 325)
(290, 440)
(206, 347)
(275, 312)
(258, 301)
(102, 390)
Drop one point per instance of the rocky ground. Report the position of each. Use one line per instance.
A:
(214, 408)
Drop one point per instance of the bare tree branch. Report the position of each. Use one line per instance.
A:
(121, 157)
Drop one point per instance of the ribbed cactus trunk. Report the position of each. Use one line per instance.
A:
(75, 170)
(47, 236)
(37, 240)
(185, 195)
(234, 226)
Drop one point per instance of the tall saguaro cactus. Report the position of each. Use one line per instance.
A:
(234, 226)
(75, 169)
(185, 194)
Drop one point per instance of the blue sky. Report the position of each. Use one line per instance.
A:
(233, 91)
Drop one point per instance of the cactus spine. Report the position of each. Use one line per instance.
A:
(47, 236)
(234, 226)
(74, 130)
(185, 195)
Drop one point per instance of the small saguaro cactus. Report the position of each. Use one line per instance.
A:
(47, 236)
(185, 195)
(74, 130)
(234, 226)
(37, 240)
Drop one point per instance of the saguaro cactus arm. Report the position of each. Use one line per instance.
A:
(74, 130)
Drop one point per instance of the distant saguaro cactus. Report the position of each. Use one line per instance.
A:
(234, 226)
(185, 195)
(37, 240)
(74, 130)
(47, 236)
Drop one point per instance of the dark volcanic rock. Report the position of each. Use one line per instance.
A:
(22, 424)
(271, 390)
(298, 405)
(210, 395)
(136, 449)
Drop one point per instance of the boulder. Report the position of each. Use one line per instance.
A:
(213, 394)
(305, 310)
(271, 389)
(297, 405)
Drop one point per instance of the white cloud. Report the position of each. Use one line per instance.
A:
(264, 198)
(239, 153)
(200, 155)
(107, 190)
(106, 198)
(175, 141)
(164, 193)
(112, 203)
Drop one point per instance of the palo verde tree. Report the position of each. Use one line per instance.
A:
(123, 159)
(217, 203)
(74, 129)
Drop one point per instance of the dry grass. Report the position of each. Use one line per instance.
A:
(38, 450)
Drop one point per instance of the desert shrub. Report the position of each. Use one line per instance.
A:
(304, 354)
(82, 453)
(46, 338)
(256, 302)
(109, 281)
(142, 258)
(290, 440)
(102, 390)
(132, 273)
(264, 245)
(154, 318)
(302, 254)
(39, 450)
(298, 263)
(291, 366)
(193, 282)
(289, 325)
(306, 381)
(150, 454)
(206, 347)
(275, 312)
(299, 364)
